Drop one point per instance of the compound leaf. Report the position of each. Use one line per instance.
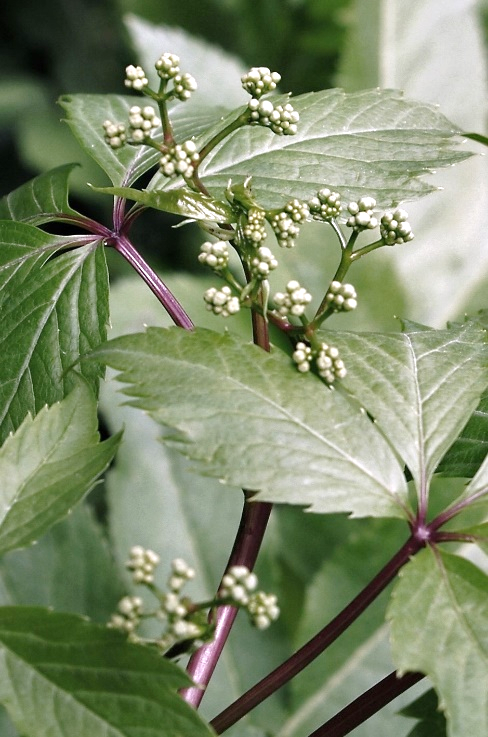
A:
(48, 465)
(40, 200)
(250, 419)
(88, 677)
(373, 142)
(420, 386)
(51, 313)
(439, 626)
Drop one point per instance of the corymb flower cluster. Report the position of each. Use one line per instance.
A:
(221, 301)
(325, 205)
(239, 585)
(326, 358)
(394, 228)
(180, 159)
(293, 301)
(186, 621)
(341, 296)
(286, 222)
(362, 214)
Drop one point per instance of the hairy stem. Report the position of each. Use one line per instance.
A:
(123, 245)
(249, 537)
(370, 702)
(312, 649)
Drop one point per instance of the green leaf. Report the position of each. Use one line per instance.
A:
(466, 455)
(250, 419)
(87, 675)
(432, 722)
(51, 313)
(476, 492)
(75, 549)
(420, 386)
(373, 143)
(439, 626)
(178, 201)
(48, 465)
(40, 200)
(87, 113)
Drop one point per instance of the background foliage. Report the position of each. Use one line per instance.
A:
(430, 51)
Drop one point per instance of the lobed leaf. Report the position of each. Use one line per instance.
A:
(374, 142)
(51, 313)
(58, 670)
(41, 200)
(420, 386)
(250, 419)
(48, 465)
(439, 626)
(194, 205)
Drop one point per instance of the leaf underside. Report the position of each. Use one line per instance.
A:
(248, 418)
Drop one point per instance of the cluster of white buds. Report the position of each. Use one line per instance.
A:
(142, 563)
(263, 609)
(285, 223)
(128, 614)
(183, 86)
(260, 80)
(215, 255)
(255, 228)
(361, 214)
(168, 66)
(135, 78)
(263, 262)
(221, 301)
(174, 609)
(142, 120)
(302, 355)
(282, 119)
(237, 584)
(394, 228)
(180, 159)
(181, 572)
(329, 365)
(294, 301)
(115, 134)
(341, 296)
(325, 205)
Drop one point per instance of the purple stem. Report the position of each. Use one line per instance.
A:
(254, 519)
(123, 245)
(291, 667)
(371, 701)
(248, 540)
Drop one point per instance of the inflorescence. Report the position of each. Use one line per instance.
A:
(186, 621)
(253, 222)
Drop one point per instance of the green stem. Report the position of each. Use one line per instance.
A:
(239, 122)
(347, 256)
